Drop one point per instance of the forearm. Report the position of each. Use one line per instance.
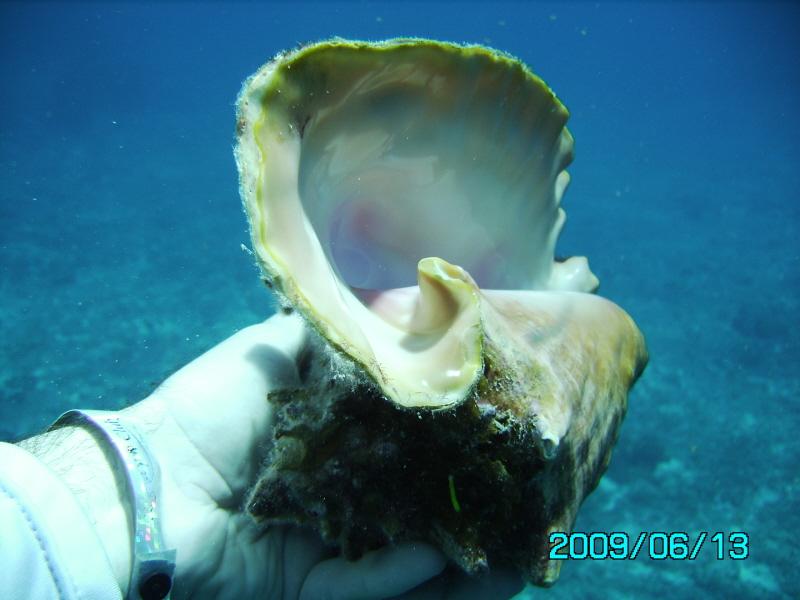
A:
(78, 459)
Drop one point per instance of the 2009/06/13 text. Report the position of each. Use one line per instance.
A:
(657, 545)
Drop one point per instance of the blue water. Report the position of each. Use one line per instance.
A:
(120, 233)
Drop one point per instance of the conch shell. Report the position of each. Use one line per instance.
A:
(364, 167)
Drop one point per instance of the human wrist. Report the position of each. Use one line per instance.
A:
(84, 464)
(186, 481)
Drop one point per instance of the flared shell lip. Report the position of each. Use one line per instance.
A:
(285, 58)
(467, 392)
(290, 293)
(294, 297)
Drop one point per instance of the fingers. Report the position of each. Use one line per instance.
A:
(383, 573)
(498, 584)
(302, 551)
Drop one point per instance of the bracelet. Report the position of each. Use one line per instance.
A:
(153, 566)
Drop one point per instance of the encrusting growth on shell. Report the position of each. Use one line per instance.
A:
(460, 385)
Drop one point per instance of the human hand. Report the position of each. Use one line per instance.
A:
(208, 424)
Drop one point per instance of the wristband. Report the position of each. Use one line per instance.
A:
(153, 566)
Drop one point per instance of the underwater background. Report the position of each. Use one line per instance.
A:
(121, 233)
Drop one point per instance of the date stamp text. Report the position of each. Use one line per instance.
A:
(658, 545)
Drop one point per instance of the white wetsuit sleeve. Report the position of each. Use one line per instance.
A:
(49, 549)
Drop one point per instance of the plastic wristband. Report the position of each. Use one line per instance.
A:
(153, 566)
